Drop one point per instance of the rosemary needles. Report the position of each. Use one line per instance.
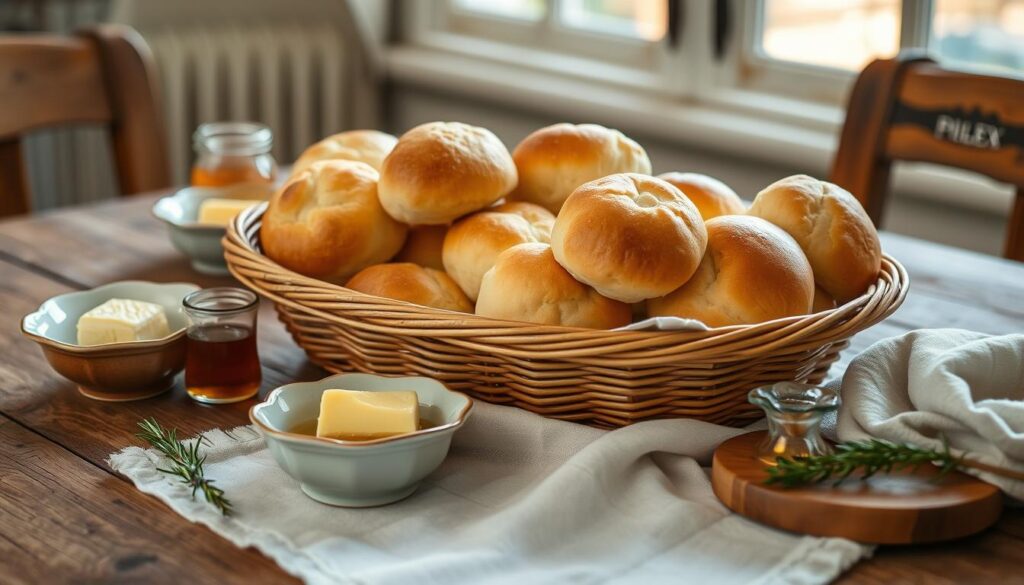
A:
(869, 458)
(186, 462)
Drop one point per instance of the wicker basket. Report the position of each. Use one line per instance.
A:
(603, 378)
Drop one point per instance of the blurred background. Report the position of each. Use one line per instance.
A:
(748, 91)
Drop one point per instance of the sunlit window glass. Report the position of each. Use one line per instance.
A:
(521, 9)
(980, 33)
(642, 19)
(845, 34)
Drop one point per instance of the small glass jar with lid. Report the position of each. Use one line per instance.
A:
(233, 153)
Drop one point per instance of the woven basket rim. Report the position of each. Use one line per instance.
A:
(242, 253)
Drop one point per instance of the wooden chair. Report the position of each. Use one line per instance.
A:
(911, 109)
(100, 75)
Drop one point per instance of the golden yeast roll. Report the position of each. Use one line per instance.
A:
(752, 272)
(441, 171)
(631, 237)
(368, 146)
(711, 196)
(527, 284)
(832, 228)
(822, 301)
(553, 161)
(423, 246)
(326, 222)
(473, 243)
(405, 281)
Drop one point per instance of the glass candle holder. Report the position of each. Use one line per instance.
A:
(794, 413)
(233, 153)
(222, 363)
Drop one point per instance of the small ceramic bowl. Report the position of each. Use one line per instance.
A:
(114, 372)
(364, 473)
(201, 242)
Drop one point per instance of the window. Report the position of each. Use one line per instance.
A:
(987, 34)
(794, 57)
(845, 34)
(612, 32)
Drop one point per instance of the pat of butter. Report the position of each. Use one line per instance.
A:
(119, 320)
(353, 415)
(220, 211)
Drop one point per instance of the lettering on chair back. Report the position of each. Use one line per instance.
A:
(966, 127)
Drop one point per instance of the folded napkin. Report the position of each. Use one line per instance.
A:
(967, 387)
(520, 499)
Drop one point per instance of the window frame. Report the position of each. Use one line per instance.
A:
(689, 71)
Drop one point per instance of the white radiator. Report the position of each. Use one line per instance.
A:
(290, 77)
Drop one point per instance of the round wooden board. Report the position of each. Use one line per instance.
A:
(900, 508)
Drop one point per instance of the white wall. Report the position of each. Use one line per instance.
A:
(409, 105)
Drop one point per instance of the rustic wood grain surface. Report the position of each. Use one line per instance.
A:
(66, 517)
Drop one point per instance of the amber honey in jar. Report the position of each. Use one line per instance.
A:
(222, 362)
(233, 153)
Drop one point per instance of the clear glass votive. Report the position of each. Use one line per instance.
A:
(222, 363)
(794, 413)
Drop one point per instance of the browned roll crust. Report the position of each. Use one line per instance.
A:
(711, 196)
(326, 222)
(527, 284)
(555, 160)
(423, 246)
(473, 243)
(405, 281)
(368, 146)
(832, 228)
(822, 301)
(752, 272)
(631, 237)
(441, 171)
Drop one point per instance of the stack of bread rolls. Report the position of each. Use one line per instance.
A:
(570, 229)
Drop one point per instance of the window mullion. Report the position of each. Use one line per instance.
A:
(915, 23)
(551, 16)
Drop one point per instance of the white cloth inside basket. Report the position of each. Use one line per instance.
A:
(520, 499)
(665, 324)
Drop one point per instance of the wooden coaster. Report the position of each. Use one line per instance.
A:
(899, 508)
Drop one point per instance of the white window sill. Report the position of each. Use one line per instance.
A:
(761, 128)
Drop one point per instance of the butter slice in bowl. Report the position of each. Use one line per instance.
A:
(121, 320)
(220, 211)
(360, 473)
(353, 415)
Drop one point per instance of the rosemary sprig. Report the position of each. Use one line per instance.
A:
(186, 461)
(871, 457)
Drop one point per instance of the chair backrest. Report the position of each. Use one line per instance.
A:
(100, 75)
(911, 109)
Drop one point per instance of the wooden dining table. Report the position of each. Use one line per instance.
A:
(65, 516)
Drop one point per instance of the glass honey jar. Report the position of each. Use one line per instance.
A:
(233, 153)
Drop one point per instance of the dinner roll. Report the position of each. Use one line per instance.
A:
(553, 161)
(752, 272)
(441, 171)
(405, 281)
(423, 246)
(711, 196)
(831, 227)
(326, 222)
(822, 301)
(631, 237)
(473, 243)
(368, 146)
(527, 284)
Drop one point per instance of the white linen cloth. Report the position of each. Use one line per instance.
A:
(520, 499)
(926, 384)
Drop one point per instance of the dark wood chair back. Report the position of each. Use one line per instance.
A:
(100, 75)
(911, 109)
